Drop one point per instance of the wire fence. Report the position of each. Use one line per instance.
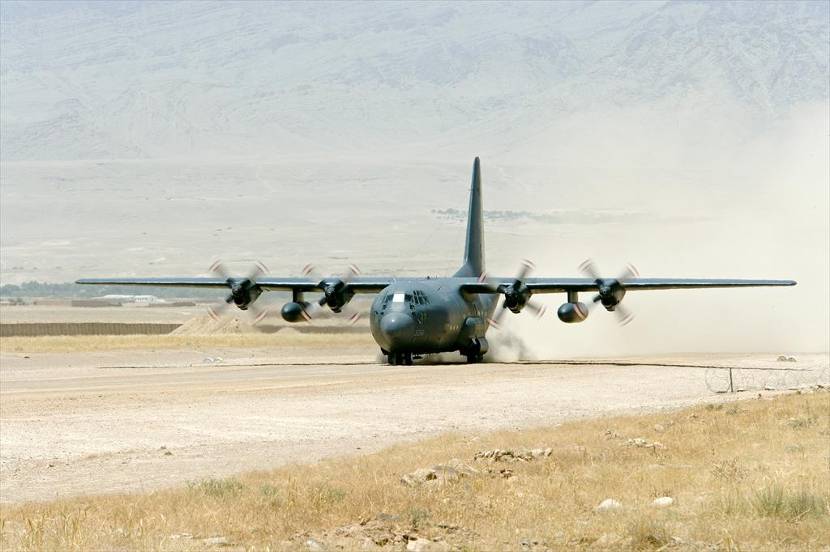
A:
(730, 380)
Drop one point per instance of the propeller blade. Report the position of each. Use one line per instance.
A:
(259, 313)
(629, 272)
(353, 271)
(526, 268)
(311, 311)
(624, 316)
(218, 267)
(310, 271)
(258, 270)
(538, 310)
(495, 320)
(219, 310)
(590, 269)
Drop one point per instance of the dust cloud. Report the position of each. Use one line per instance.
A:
(715, 199)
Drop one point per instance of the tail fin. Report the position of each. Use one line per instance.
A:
(474, 248)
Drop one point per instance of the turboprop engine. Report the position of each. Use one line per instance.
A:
(572, 312)
(244, 291)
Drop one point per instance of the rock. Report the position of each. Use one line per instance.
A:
(314, 546)
(441, 474)
(663, 502)
(508, 455)
(380, 531)
(461, 467)
(426, 545)
(540, 453)
(609, 505)
(419, 477)
(639, 442)
(446, 474)
(502, 473)
(216, 541)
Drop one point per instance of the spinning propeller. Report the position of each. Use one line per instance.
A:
(516, 295)
(611, 290)
(244, 291)
(336, 294)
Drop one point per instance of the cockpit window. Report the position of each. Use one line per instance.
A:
(417, 297)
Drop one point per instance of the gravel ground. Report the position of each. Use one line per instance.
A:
(118, 421)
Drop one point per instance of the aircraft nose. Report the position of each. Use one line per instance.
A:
(397, 328)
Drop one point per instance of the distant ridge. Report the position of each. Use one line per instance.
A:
(157, 80)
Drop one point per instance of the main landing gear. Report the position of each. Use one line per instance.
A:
(399, 359)
(475, 350)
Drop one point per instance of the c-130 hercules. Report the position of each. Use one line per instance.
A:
(415, 316)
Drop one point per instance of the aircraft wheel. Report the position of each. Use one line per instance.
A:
(408, 359)
(392, 358)
(473, 358)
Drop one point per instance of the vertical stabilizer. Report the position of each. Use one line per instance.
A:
(474, 248)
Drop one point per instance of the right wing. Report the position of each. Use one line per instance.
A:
(269, 283)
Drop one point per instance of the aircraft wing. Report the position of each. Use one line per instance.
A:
(558, 285)
(270, 283)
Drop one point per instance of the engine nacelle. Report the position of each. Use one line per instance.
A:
(336, 294)
(611, 292)
(572, 313)
(294, 312)
(243, 293)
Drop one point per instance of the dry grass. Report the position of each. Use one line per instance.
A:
(751, 475)
(84, 343)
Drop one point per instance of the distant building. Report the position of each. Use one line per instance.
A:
(134, 299)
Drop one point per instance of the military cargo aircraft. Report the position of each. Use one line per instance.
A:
(410, 317)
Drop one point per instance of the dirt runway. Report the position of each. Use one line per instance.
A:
(100, 422)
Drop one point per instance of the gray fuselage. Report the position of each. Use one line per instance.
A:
(430, 315)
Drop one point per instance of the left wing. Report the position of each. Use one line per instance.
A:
(559, 285)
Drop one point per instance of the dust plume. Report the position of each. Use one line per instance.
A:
(746, 200)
